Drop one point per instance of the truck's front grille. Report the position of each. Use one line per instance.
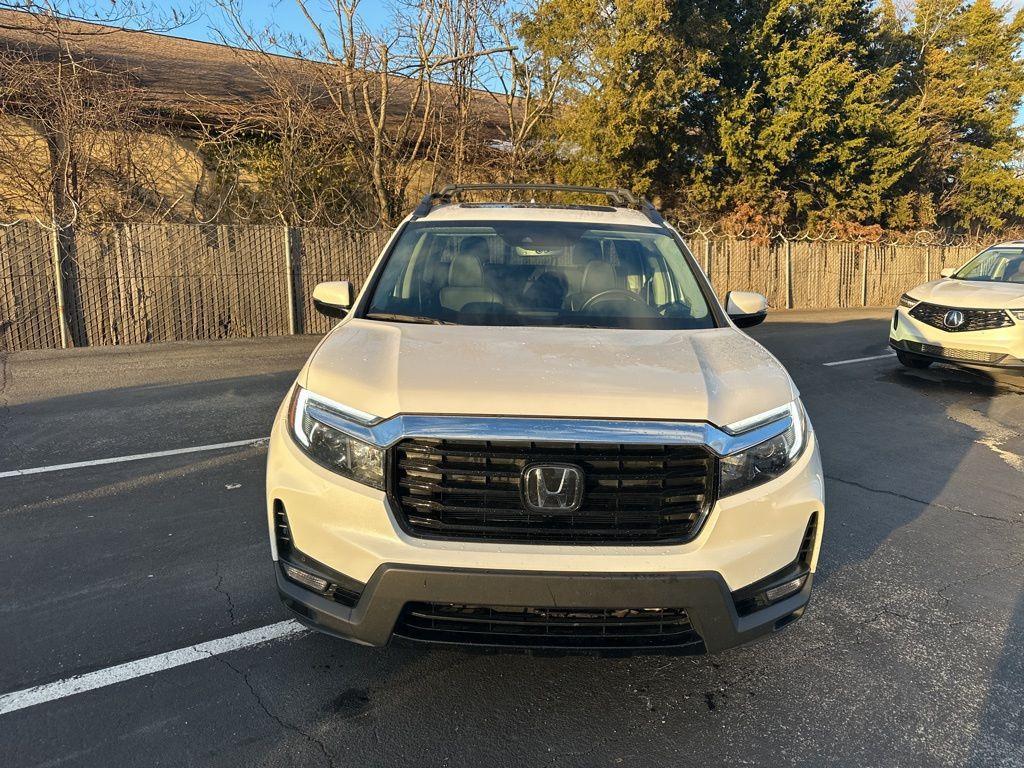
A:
(470, 489)
(974, 319)
(518, 626)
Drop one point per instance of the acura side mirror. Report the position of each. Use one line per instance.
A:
(948, 272)
(746, 308)
(333, 299)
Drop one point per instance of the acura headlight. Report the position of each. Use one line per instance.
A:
(907, 301)
(330, 447)
(766, 461)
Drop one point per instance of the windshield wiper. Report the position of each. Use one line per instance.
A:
(396, 317)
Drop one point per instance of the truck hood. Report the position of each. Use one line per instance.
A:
(971, 294)
(717, 375)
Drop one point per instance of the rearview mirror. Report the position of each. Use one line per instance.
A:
(746, 308)
(333, 299)
(948, 272)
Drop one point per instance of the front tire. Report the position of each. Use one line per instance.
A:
(913, 361)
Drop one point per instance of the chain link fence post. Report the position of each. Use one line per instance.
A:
(289, 278)
(58, 284)
(864, 275)
(789, 271)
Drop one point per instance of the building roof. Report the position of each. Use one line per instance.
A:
(181, 75)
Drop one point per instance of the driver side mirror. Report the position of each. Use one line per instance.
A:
(746, 308)
(948, 272)
(333, 299)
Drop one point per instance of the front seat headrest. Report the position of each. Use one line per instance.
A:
(585, 252)
(465, 272)
(599, 276)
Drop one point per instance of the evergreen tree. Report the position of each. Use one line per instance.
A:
(792, 111)
(637, 99)
(970, 82)
(815, 134)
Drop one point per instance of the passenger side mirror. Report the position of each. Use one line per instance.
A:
(746, 308)
(948, 272)
(333, 299)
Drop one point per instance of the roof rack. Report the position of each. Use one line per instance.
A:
(622, 198)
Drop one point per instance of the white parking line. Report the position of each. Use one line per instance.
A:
(860, 359)
(40, 694)
(133, 457)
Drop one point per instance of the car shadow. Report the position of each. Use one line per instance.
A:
(875, 490)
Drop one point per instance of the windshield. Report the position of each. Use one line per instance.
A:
(539, 273)
(1000, 265)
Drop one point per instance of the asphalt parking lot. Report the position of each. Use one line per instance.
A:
(911, 653)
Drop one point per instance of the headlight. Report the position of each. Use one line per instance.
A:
(330, 447)
(766, 460)
(907, 301)
(1017, 313)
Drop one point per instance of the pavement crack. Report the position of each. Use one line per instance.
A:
(218, 587)
(917, 621)
(276, 718)
(915, 500)
(887, 492)
(974, 577)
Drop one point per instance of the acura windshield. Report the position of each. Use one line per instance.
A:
(1000, 265)
(539, 273)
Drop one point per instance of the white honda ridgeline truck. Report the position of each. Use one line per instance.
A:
(536, 427)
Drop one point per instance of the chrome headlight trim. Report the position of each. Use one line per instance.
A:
(768, 460)
(908, 302)
(320, 428)
(384, 433)
(325, 405)
(760, 419)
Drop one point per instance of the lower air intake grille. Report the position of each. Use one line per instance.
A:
(951, 353)
(470, 489)
(550, 627)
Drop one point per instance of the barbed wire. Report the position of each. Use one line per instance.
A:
(872, 236)
(717, 231)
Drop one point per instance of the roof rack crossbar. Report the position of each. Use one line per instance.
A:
(617, 197)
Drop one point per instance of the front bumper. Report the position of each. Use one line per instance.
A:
(997, 348)
(704, 595)
(351, 531)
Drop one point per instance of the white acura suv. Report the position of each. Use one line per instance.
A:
(971, 316)
(536, 427)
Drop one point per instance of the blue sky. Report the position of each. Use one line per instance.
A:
(284, 14)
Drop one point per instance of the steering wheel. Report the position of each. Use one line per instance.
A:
(615, 294)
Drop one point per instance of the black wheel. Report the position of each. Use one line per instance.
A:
(912, 361)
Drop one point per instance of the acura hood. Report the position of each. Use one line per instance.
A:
(717, 375)
(971, 294)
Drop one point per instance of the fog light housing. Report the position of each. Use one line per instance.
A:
(786, 589)
(307, 580)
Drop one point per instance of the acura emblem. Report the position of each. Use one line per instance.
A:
(953, 319)
(552, 487)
